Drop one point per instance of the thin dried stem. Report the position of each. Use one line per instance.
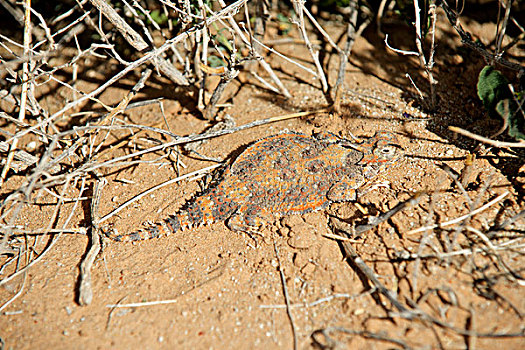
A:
(495, 143)
(345, 54)
(129, 33)
(286, 296)
(25, 88)
(85, 290)
(300, 10)
(427, 66)
(260, 59)
(463, 217)
(154, 188)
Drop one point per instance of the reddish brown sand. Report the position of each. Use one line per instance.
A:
(215, 290)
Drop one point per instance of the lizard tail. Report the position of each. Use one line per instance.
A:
(170, 225)
(204, 210)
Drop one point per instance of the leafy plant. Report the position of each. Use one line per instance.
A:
(215, 62)
(494, 92)
(159, 17)
(284, 24)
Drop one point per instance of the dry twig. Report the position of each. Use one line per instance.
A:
(25, 88)
(85, 290)
(494, 143)
(300, 10)
(286, 296)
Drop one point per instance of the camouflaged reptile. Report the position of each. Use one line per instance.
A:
(288, 173)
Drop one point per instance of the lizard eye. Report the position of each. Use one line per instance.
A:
(386, 151)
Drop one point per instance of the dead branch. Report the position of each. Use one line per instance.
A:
(85, 290)
(129, 33)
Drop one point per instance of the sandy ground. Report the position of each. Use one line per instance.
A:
(214, 289)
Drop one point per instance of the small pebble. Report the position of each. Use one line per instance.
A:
(31, 146)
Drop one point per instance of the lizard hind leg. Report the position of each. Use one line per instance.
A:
(248, 220)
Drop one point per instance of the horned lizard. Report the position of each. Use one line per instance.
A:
(287, 173)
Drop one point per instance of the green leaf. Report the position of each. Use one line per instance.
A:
(215, 62)
(159, 17)
(285, 26)
(494, 92)
(508, 109)
(223, 40)
(492, 88)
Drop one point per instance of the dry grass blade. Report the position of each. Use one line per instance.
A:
(211, 276)
(320, 300)
(54, 240)
(463, 217)
(155, 188)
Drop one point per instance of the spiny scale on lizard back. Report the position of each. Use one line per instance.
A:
(288, 173)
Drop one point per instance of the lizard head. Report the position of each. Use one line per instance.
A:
(383, 147)
(379, 151)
